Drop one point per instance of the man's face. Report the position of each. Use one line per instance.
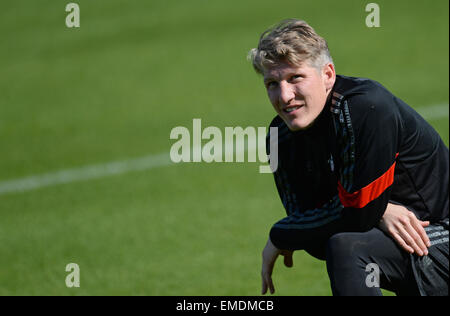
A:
(298, 93)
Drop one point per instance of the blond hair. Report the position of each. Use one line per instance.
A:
(292, 41)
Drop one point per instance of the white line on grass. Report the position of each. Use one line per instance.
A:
(84, 173)
(138, 164)
(434, 112)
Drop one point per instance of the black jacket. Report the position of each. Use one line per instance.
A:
(366, 148)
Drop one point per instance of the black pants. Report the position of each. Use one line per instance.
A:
(350, 263)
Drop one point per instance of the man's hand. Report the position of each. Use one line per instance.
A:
(406, 229)
(269, 256)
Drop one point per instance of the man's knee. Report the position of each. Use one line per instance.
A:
(344, 248)
(338, 245)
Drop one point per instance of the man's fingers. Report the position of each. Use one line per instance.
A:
(267, 284)
(402, 243)
(418, 238)
(271, 287)
(426, 224)
(419, 227)
(410, 241)
(404, 226)
(288, 262)
(266, 276)
(417, 232)
(264, 287)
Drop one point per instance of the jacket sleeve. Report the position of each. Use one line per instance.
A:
(368, 157)
(308, 229)
(304, 225)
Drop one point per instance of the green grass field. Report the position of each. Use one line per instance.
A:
(114, 88)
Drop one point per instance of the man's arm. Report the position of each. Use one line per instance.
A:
(377, 131)
(371, 133)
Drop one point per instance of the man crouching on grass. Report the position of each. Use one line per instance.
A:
(362, 176)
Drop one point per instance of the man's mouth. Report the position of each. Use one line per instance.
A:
(291, 109)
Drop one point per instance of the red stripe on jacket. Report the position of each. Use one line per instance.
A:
(370, 192)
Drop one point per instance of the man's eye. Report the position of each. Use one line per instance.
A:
(271, 84)
(294, 77)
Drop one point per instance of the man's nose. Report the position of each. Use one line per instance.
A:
(286, 92)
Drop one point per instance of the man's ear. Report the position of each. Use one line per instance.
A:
(329, 75)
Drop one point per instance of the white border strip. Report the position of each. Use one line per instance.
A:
(139, 164)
